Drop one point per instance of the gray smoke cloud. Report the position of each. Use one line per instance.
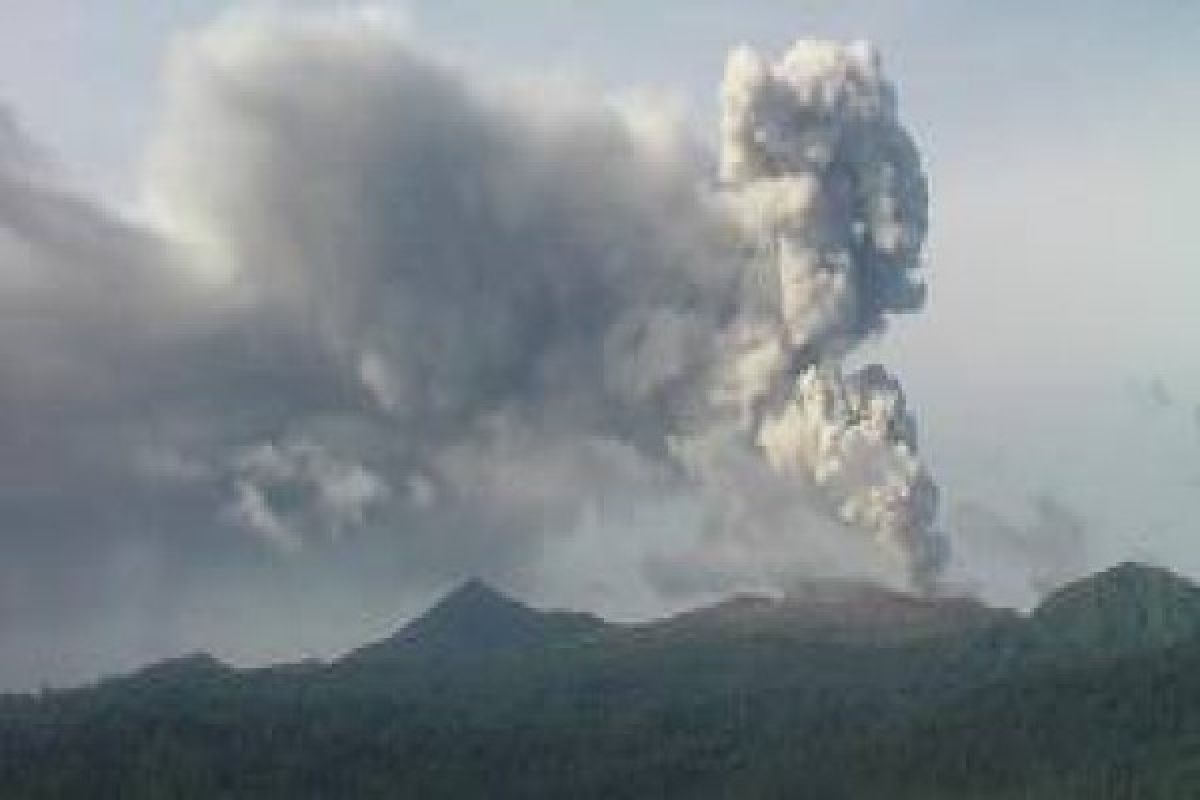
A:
(829, 195)
(389, 323)
(1042, 552)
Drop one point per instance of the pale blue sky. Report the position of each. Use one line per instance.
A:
(1061, 140)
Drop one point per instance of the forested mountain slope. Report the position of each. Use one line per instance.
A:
(844, 692)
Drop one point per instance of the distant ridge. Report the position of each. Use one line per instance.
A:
(1127, 607)
(195, 666)
(837, 691)
(841, 610)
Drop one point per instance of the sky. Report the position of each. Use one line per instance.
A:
(1053, 369)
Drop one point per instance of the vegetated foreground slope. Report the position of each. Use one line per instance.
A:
(846, 692)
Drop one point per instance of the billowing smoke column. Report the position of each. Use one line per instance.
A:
(829, 190)
(538, 306)
(381, 324)
(831, 186)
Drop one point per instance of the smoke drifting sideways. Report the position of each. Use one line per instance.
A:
(415, 325)
(1026, 559)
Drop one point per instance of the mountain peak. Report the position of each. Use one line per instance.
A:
(475, 591)
(471, 617)
(476, 619)
(1125, 607)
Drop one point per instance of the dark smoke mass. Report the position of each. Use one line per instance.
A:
(383, 324)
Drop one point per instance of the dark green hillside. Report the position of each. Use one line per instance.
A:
(844, 692)
(1127, 608)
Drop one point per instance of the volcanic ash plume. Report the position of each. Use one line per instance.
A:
(393, 323)
(442, 325)
(828, 191)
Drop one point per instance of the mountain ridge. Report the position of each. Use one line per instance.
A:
(483, 696)
(1121, 609)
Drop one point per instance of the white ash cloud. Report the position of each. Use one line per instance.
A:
(856, 440)
(829, 194)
